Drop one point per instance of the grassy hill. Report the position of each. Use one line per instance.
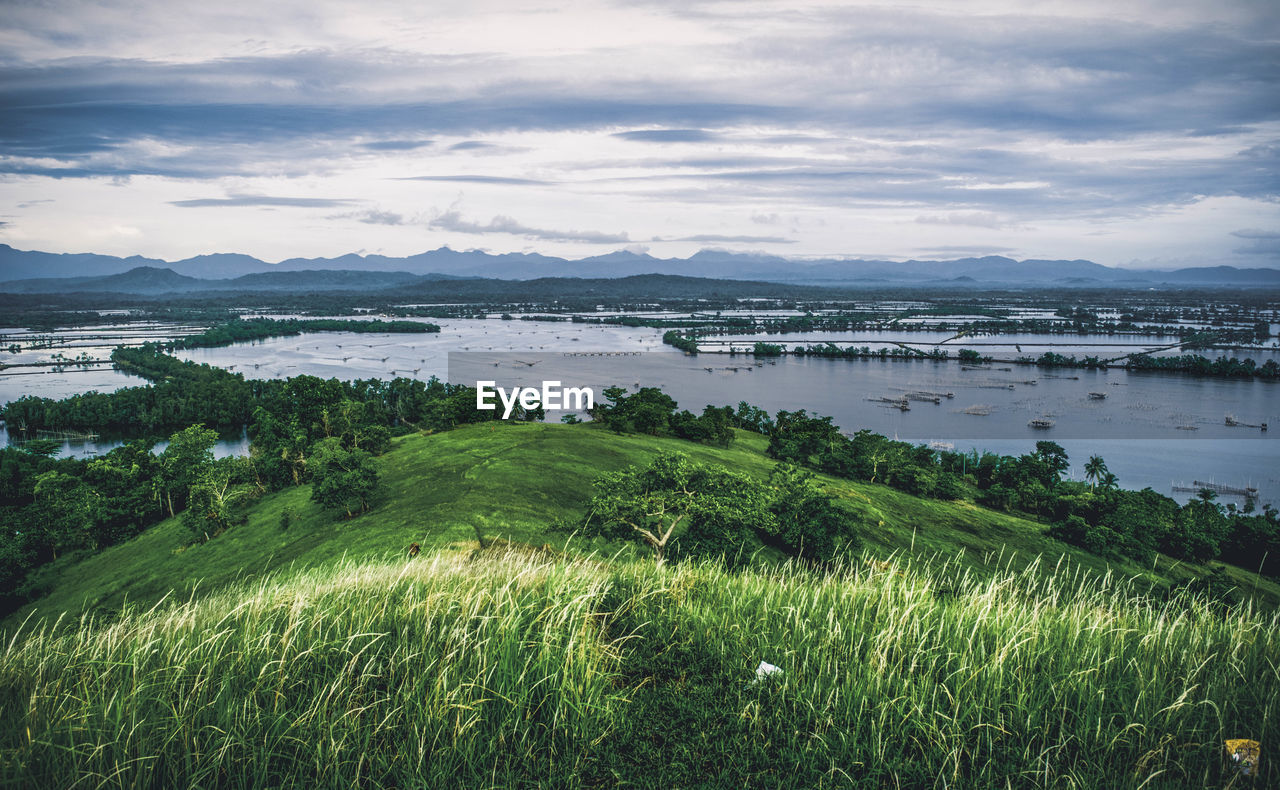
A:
(514, 480)
(506, 668)
(980, 654)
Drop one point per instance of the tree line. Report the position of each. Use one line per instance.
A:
(243, 330)
(304, 430)
(328, 433)
(1096, 514)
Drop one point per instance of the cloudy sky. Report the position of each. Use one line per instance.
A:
(1141, 134)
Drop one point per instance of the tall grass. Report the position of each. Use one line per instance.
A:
(504, 669)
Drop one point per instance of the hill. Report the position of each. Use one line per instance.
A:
(140, 280)
(986, 271)
(514, 480)
(312, 652)
(507, 668)
(393, 286)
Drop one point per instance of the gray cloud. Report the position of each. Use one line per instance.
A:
(951, 116)
(397, 145)
(715, 237)
(260, 200)
(474, 179)
(979, 219)
(1261, 242)
(453, 221)
(372, 217)
(669, 136)
(967, 250)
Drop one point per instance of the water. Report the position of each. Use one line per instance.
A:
(225, 447)
(1152, 428)
(350, 356)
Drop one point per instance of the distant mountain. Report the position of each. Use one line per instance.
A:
(141, 280)
(21, 264)
(305, 280)
(355, 271)
(150, 281)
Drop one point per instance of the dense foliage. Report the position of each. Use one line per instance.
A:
(327, 432)
(303, 430)
(681, 341)
(183, 393)
(242, 330)
(1098, 515)
(652, 411)
(688, 510)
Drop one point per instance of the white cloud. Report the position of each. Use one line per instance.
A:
(977, 125)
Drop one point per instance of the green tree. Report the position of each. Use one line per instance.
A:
(69, 511)
(1054, 459)
(342, 479)
(1095, 470)
(806, 521)
(649, 410)
(184, 460)
(710, 509)
(216, 489)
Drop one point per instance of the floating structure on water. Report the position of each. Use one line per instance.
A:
(74, 436)
(1248, 492)
(898, 403)
(1042, 423)
(1232, 422)
(924, 396)
(1097, 396)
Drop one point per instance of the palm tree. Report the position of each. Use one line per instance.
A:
(1095, 470)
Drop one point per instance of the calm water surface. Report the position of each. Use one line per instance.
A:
(1153, 429)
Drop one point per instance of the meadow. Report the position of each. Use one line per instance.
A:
(516, 481)
(961, 648)
(512, 666)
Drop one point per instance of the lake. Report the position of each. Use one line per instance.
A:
(1153, 428)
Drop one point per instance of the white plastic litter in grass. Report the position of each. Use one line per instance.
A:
(766, 670)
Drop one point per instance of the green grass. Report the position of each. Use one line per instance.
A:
(515, 667)
(962, 649)
(511, 481)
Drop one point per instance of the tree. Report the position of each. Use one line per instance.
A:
(797, 437)
(189, 453)
(680, 508)
(69, 510)
(217, 488)
(1094, 470)
(1054, 459)
(647, 411)
(713, 508)
(281, 447)
(342, 479)
(127, 480)
(806, 521)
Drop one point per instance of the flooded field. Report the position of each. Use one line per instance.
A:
(1159, 428)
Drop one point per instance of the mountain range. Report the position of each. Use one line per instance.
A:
(23, 271)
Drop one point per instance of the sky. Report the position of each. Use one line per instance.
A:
(1142, 133)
